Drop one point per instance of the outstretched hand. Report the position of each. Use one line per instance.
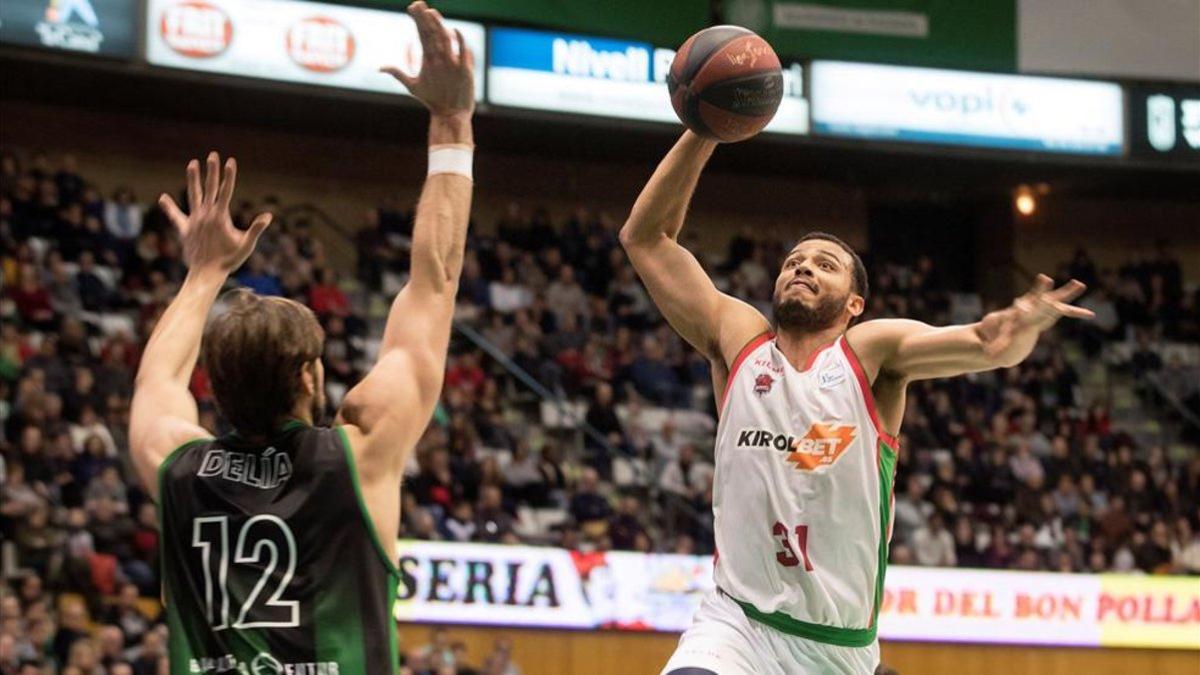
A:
(1037, 310)
(211, 242)
(446, 82)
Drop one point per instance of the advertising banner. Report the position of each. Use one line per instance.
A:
(961, 108)
(104, 27)
(304, 42)
(549, 587)
(555, 588)
(603, 77)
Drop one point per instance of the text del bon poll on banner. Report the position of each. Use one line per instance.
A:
(554, 588)
(304, 42)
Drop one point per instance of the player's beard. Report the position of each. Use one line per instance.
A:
(794, 316)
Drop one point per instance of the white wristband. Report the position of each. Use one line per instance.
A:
(456, 159)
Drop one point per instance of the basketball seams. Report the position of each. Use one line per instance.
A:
(704, 45)
(692, 105)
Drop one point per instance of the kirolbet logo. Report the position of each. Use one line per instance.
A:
(821, 445)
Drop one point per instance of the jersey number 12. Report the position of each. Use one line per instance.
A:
(264, 544)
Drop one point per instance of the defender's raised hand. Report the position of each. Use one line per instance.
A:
(446, 82)
(211, 242)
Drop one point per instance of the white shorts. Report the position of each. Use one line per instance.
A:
(724, 640)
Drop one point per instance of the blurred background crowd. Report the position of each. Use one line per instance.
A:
(571, 414)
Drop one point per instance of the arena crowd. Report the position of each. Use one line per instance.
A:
(1009, 469)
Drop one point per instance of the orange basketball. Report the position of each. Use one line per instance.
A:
(725, 83)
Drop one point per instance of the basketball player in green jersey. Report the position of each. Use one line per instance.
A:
(278, 540)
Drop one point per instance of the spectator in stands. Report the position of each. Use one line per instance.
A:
(588, 507)
(434, 484)
(506, 295)
(966, 546)
(667, 443)
(653, 378)
(565, 296)
(33, 300)
(325, 297)
(1145, 359)
(553, 477)
(602, 416)
(1185, 547)
(91, 288)
(460, 524)
(110, 642)
(522, 477)
(123, 215)
(257, 277)
(625, 527)
(1154, 554)
(686, 476)
(933, 545)
(493, 524)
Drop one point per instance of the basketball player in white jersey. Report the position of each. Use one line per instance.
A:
(809, 406)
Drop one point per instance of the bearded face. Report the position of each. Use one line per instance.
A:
(803, 315)
(815, 288)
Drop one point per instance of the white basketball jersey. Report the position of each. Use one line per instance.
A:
(802, 496)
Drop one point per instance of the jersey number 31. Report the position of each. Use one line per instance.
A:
(787, 557)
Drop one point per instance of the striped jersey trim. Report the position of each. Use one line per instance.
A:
(830, 635)
(753, 344)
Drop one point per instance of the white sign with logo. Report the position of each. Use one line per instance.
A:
(526, 586)
(604, 77)
(963, 108)
(305, 42)
(550, 587)
(105, 27)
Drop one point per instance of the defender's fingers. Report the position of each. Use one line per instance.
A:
(228, 181)
(405, 79)
(443, 35)
(466, 59)
(250, 238)
(194, 193)
(174, 213)
(212, 173)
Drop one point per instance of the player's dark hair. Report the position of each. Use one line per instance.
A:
(253, 353)
(861, 285)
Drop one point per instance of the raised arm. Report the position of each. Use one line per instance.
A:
(907, 350)
(716, 324)
(386, 413)
(163, 414)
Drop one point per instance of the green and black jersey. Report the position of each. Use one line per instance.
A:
(270, 563)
